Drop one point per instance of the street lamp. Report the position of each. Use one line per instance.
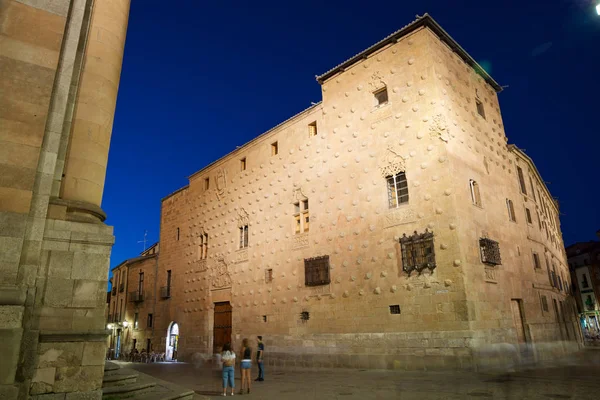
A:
(109, 326)
(125, 324)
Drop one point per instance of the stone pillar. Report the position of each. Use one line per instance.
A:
(87, 154)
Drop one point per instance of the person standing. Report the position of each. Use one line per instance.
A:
(259, 359)
(228, 358)
(246, 365)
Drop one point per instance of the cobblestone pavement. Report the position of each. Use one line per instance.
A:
(573, 378)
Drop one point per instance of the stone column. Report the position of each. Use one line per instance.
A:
(87, 153)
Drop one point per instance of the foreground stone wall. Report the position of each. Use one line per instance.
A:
(54, 247)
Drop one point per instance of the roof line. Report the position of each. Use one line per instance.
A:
(174, 193)
(255, 139)
(427, 21)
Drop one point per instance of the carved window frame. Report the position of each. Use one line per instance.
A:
(397, 183)
(511, 210)
(475, 193)
(490, 251)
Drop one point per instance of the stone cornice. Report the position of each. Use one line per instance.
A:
(74, 206)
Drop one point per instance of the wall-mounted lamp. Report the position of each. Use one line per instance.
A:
(109, 326)
(125, 324)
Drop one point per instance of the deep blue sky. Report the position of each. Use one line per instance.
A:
(202, 77)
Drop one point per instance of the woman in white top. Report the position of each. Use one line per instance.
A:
(228, 358)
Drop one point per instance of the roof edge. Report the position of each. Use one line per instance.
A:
(174, 193)
(422, 21)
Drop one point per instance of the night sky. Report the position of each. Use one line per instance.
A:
(202, 77)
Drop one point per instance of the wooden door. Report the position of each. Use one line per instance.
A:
(222, 326)
(518, 320)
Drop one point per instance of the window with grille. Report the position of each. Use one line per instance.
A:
(397, 189)
(417, 252)
(536, 261)
(243, 236)
(312, 129)
(528, 216)
(381, 96)
(475, 195)
(304, 316)
(395, 309)
(521, 180)
(490, 251)
(243, 164)
(316, 271)
(269, 275)
(511, 210)
(480, 109)
(301, 217)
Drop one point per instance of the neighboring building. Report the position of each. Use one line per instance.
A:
(388, 225)
(584, 263)
(60, 68)
(133, 303)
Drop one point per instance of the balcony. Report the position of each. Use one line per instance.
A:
(121, 288)
(136, 297)
(165, 292)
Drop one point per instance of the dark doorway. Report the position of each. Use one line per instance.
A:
(222, 326)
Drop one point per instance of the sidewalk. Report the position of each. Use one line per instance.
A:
(575, 379)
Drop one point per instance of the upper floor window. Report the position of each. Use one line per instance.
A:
(536, 261)
(312, 129)
(243, 164)
(141, 283)
(528, 215)
(584, 281)
(316, 271)
(177, 234)
(532, 189)
(243, 236)
(203, 247)
(511, 210)
(274, 149)
(301, 217)
(206, 183)
(490, 251)
(418, 252)
(397, 189)
(269, 275)
(521, 180)
(149, 323)
(475, 195)
(381, 96)
(480, 109)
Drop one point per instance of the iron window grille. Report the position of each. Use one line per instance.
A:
(490, 251)
(136, 296)
(304, 316)
(316, 271)
(395, 309)
(418, 252)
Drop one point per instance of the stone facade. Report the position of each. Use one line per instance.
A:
(247, 228)
(60, 63)
(584, 264)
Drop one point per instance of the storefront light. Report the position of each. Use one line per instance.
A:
(125, 324)
(109, 326)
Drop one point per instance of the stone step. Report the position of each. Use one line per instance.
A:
(110, 366)
(186, 395)
(126, 391)
(118, 378)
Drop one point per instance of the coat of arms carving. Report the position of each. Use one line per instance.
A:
(221, 183)
(220, 275)
(439, 128)
(243, 218)
(376, 82)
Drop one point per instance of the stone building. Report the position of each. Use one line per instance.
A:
(60, 63)
(389, 225)
(584, 264)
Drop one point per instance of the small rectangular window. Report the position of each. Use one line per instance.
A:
(268, 275)
(177, 234)
(274, 149)
(135, 320)
(528, 215)
(243, 164)
(312, 129)
(395, 309)
(304, 316)
(490, 251)
(536, 261)
(480, 109)
(544, 303)
(381, 97)
(264, 318)
(475, 195)
(316, 271)
(397, 190)
(521, 180)
(511, 210)
(206, 183)
(150, 321)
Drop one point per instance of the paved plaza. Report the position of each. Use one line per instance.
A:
(574, 378)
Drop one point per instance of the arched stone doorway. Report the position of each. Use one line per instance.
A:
(172, 341)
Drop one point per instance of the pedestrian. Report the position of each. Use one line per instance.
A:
(259, 359)
(246, 365)
(228, 358)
